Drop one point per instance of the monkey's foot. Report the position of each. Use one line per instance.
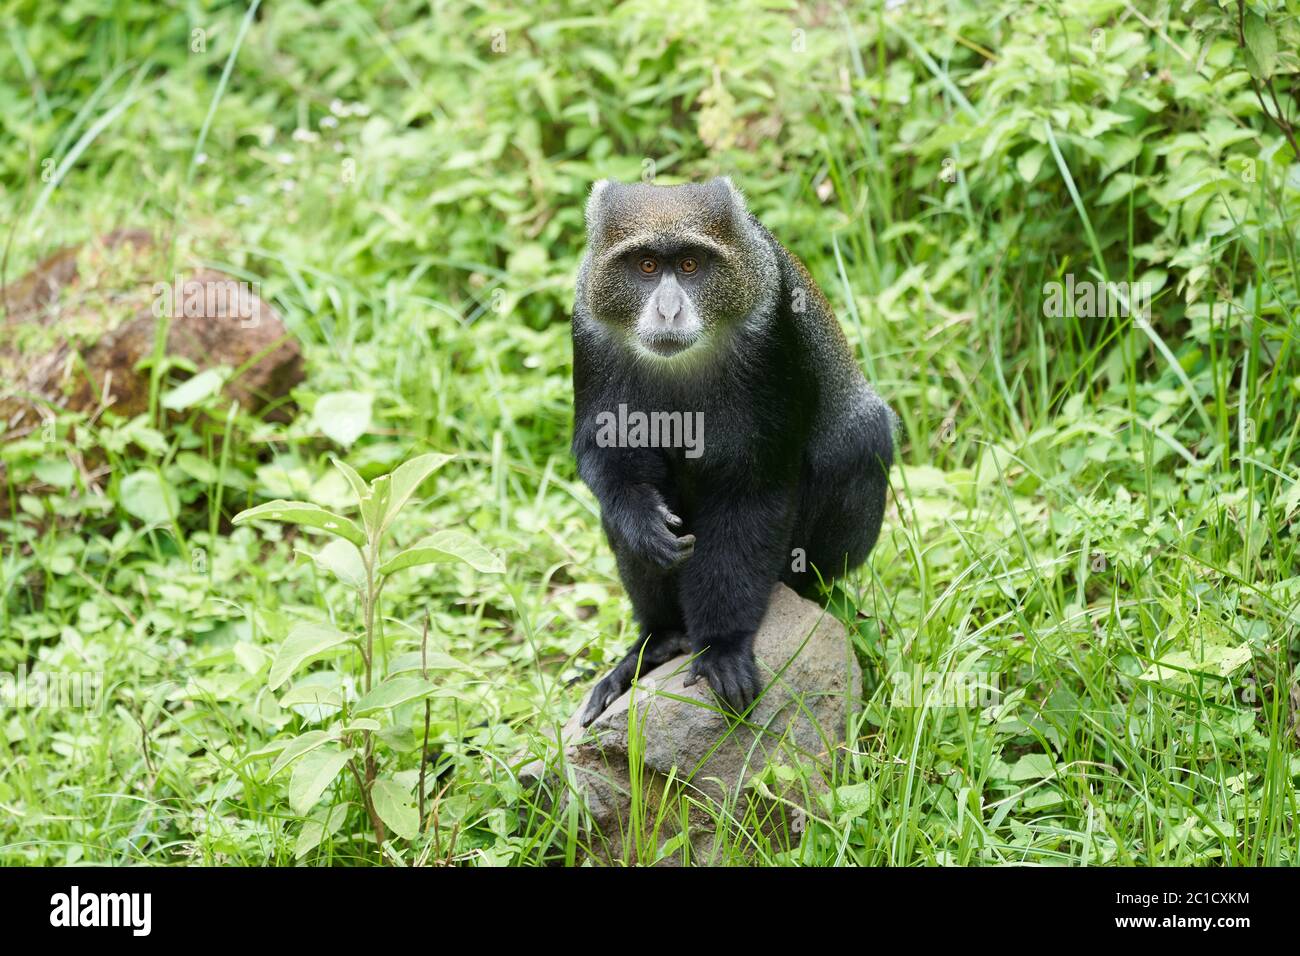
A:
(613, 685)
(731, 673)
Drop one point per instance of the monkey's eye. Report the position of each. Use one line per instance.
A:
(688, 265)
(648, 266)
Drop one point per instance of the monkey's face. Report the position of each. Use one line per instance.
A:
(671, 268)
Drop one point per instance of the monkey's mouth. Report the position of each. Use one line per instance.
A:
(667, 345)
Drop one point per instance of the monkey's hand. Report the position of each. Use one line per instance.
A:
(731, 673)
(651, 534)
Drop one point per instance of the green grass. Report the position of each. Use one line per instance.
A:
(1076, 500)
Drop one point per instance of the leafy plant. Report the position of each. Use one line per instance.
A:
(355, 557)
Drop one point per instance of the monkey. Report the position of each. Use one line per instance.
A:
(685, 304)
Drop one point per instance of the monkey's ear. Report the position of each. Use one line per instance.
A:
(737, 197)
(595, 206)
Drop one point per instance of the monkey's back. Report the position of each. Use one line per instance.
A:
(846, 407)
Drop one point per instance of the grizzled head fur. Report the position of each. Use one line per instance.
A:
(674, 268)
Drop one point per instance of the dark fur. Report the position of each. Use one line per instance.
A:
(797, 446)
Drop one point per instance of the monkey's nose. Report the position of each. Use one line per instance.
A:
(669, 311)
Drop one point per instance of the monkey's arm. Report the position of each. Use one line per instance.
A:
(743, 534)
(627, 483)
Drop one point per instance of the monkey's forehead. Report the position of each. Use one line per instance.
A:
(667, 213)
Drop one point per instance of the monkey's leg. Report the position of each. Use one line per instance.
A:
(742, 538)
(838, 535)
(842, 503)
(663, 635)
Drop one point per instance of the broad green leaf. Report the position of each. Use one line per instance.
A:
(1119, 152)
(1291, 500)
(314, 830)
(342, 559)
(372, 498)
(1044, 798)
(303, 744)
(343, 416)
(394, 691)
(447, 545)
(1180, 667)
(307, 515)
(250, 657)
(849, 802)
(305, 642)
(375, 505)
(273, 749)
(311, 700)
(194, 390)
(407, 477)
(434, 660)
(1030, 162)
(361, 723)
(1119, 186)
(393, 804)
(1261, 45)
(313, 774)
(1032, 767)
(146, 496)
(198, 468)
(57, 472)
(356, 481)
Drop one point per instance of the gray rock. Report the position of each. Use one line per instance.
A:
(694, 762)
